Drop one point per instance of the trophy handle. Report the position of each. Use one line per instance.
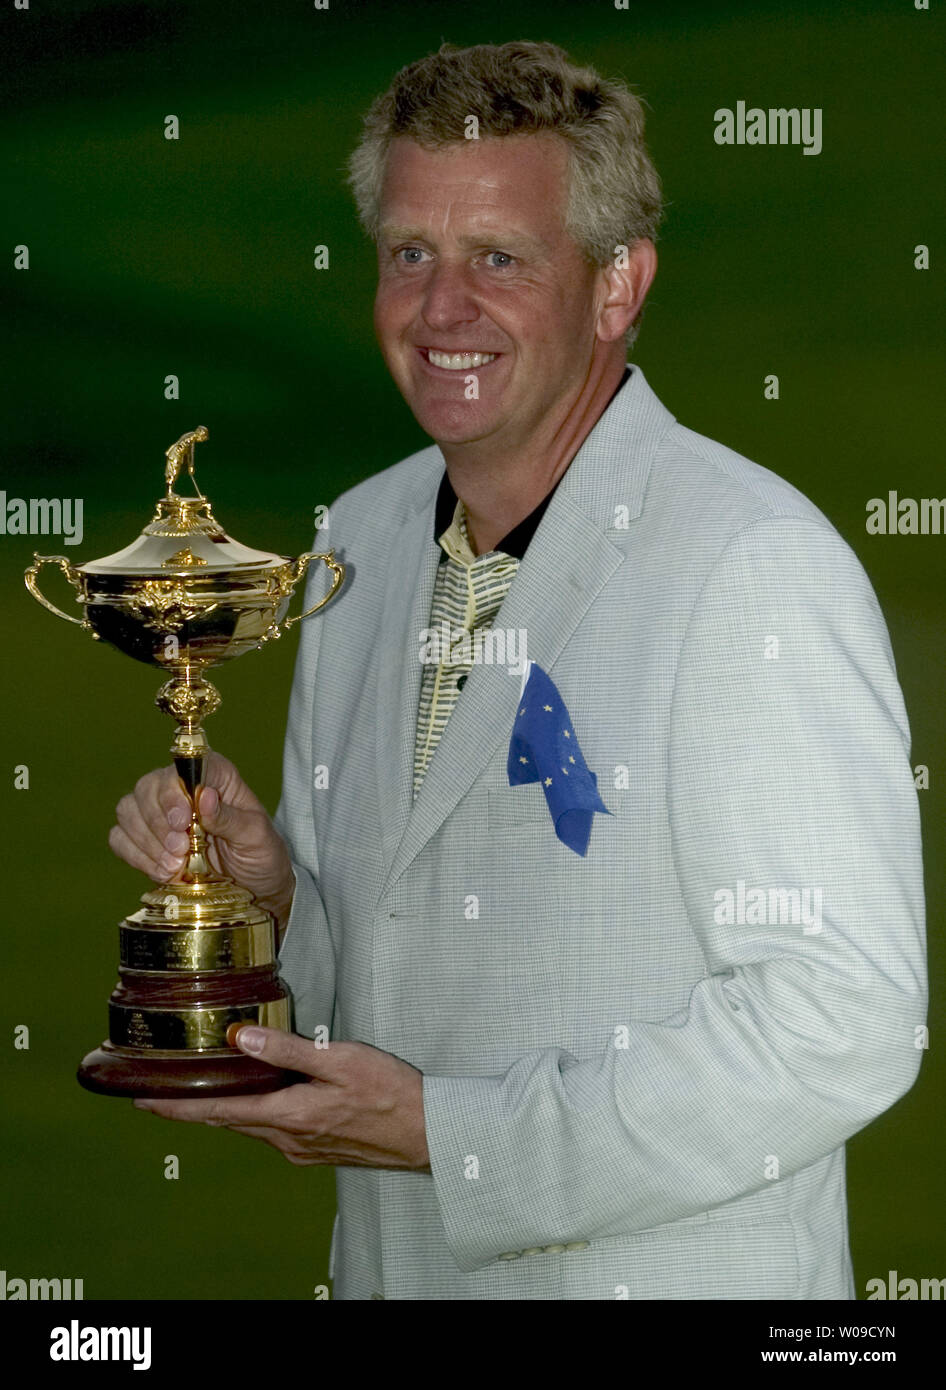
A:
(30, 578)
(297, 569)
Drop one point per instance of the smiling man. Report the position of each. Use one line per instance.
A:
(478, 274)
(589, 1039)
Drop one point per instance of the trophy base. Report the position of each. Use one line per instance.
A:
(110, 1072)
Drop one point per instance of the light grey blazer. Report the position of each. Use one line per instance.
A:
(639, 1075)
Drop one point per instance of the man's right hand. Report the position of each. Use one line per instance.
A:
(153, 820)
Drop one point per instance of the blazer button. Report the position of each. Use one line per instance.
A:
(533, 1250)
(578, 1245)
(553, 1249)
(378, 1295)
(511, 1255)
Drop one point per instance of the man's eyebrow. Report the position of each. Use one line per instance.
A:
(498, 238)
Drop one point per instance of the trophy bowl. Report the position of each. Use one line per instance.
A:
(200, 954)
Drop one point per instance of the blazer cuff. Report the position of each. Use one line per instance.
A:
(478, 1172)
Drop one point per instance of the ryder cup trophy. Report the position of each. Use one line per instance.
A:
(200, 954)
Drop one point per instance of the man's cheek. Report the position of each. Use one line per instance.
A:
(390, 327)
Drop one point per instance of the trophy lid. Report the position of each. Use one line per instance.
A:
(183, 535)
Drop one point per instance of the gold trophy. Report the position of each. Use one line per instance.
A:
(200, 954)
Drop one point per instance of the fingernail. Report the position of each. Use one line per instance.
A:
(178, 819)
(141, 1105)
(169, 865)
(176, 843)
(207, 801)
(250, 1040)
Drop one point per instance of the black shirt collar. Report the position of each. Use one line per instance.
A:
(517, 541)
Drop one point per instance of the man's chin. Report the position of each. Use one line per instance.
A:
(454, 424)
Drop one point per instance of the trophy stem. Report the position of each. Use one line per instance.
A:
(188, 698)
(197, 868)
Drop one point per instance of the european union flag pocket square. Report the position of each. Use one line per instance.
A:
(543, 748)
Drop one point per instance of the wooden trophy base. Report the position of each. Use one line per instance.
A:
(109, 1071)
(198, 960)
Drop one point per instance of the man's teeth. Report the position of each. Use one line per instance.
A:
(459, 361)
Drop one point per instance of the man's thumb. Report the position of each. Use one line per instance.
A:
(212, 811)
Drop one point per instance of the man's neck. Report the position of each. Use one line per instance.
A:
(498, 494)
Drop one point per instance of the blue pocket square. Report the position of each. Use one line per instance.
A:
(543, 748)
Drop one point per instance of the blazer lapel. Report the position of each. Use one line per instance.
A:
(567, 564)
(398, 668)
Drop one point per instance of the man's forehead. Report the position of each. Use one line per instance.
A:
(511, 184)
(487, 229)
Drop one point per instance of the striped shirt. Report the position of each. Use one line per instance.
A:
(468, 593)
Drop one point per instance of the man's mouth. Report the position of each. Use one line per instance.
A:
(458, 361)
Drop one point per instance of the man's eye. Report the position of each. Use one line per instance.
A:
(410, 255)
(499, 259)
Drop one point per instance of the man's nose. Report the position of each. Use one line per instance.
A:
(449, 298)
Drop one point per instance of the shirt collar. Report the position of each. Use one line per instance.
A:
(517, 541)
(449, 518)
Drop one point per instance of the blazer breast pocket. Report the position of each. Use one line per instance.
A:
(509, 807)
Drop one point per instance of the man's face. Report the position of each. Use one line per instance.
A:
(473, 258)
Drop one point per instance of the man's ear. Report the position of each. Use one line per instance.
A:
(623, 286)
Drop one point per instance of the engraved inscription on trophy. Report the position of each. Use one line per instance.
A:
(139, 1034)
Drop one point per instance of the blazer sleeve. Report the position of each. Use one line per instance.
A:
(307, 955)
(788, 768)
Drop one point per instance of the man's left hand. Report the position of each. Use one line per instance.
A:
(363, 1108)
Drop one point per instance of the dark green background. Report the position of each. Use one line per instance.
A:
(194, 257)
